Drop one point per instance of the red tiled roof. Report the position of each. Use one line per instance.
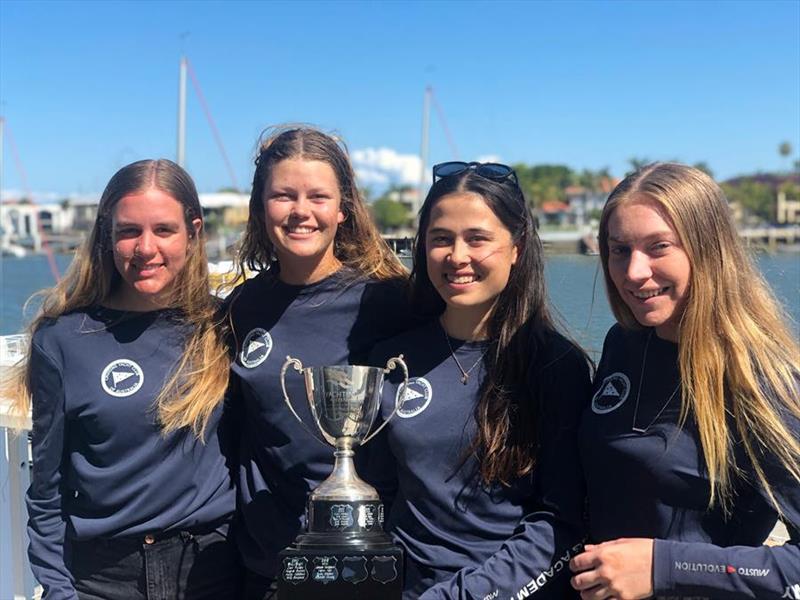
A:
(554, 206)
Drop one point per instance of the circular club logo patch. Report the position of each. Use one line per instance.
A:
(417, 397)
(256, 348)
(122, 378)
(611, 394)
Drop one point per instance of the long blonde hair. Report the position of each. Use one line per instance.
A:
(733, 340)
(198, 383)
(357, 243)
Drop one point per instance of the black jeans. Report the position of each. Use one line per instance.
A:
(181, 566)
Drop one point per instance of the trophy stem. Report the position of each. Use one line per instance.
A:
(344, 484)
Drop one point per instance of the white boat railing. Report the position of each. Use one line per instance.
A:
(16, 467)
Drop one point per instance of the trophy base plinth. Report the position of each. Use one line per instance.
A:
(376, 541)
(341, 571)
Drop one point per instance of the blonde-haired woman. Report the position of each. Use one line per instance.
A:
(691, 446)
(131, 496)
(328, 287)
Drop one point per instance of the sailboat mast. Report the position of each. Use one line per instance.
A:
(424, 147)
(2, 127)
(181, 153)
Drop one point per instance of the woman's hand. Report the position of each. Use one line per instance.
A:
(621, 569)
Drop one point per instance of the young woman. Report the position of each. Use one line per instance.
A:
(328, 287)
(490, 495)
(131, 496)
(691, 445)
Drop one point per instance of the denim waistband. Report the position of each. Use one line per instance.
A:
(221, 526)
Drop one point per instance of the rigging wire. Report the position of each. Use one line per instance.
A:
(440, 113)
(217, 137)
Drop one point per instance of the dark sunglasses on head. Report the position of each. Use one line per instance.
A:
(493, 171)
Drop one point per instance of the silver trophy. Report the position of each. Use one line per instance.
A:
(344, 402)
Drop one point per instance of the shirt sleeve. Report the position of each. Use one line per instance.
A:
(46, 523)
(535, 560)
(738, 571)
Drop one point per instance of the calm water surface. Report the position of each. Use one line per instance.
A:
(575, 284)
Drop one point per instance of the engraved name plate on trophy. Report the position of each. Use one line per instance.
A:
(344, 553)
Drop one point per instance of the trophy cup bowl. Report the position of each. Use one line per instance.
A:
(344, 400)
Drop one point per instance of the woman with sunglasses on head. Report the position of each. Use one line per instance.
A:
(130, 496)
(691, 447)
(328, 287)
(490, 498)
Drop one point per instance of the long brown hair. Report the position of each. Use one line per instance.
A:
(736, 355)
(357, 244)
(518, 329)
(198, 383)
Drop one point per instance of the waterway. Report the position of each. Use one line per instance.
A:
(575, 284)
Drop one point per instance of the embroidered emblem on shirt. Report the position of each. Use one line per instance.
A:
(256, 348)
(611, 394)
(122, 378)
(416, 397)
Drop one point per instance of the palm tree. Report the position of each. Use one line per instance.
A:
(637, 163)
(785, 150)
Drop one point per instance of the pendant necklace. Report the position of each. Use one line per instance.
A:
(639, 392)
(464, 374)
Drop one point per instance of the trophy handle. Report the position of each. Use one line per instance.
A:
(298, 366)
(390, 366)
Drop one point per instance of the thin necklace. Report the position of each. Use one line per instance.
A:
(639, 393)
(464, 374)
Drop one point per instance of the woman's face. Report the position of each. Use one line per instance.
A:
(469, 252)
(648, 266)
(302, 209)
(150, 244)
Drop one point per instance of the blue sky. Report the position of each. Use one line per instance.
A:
(87, 87)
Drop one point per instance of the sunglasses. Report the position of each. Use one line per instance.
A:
(493, 171)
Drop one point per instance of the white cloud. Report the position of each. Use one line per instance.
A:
(489, 158)
(385, 166)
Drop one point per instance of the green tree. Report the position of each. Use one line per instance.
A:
(636, 163)
(228, 189)
(592, 180)
(541, 183)
(703, 166)
(389, 214)
(756, 198)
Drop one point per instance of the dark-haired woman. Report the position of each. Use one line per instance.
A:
(691, 447)
(131, 497)
(328, 287)
(489, 500)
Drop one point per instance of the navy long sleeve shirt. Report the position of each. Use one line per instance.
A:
(654, 484)
(101, 466)
(464, 539)
(331, 322)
